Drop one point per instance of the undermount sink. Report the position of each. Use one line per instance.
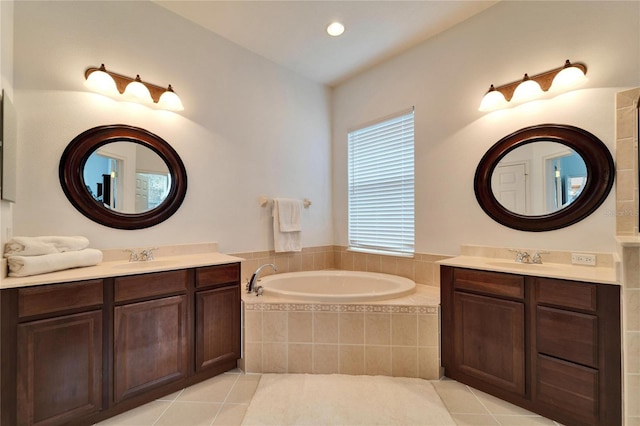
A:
(149, 264)
(524, 266)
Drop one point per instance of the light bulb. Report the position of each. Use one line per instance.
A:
(170, 101)
(138, 92)
(569, 78)
(101, 82)
(335, 29)
(493, 100)
(527, 90)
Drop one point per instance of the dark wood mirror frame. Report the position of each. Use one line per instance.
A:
(600, 175)
(72, 177)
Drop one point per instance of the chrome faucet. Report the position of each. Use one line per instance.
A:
(524, 257)
(147, 254)
(251, 284)
(133, 256)
(537, 259)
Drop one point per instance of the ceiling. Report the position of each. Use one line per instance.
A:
(293, 33)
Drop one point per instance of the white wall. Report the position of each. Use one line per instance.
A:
(249, 127)
(445, 78)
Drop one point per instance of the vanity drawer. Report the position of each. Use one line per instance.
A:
(568, 386)
(569, 294)
(59, 297)
(218, 274)
(149, 285)
(568, 335)
(492, 283)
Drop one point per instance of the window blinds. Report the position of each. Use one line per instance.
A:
(381, 187)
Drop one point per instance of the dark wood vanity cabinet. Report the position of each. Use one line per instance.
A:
(551, 346)
(80, 352)
(150, 336)
(217, 339)
(59, 358)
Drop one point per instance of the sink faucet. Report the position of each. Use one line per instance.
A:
(523, 257)
(251, 284)
(147, 254)
(133, 256)
(536, 257)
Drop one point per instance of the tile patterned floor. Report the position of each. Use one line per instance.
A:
(223, 400)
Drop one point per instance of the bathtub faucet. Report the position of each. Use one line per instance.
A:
(251, 284)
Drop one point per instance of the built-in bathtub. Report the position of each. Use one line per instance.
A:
(336, 286)
(288, 331)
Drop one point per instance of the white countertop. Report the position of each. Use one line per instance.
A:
(594, 274)
(115, 268)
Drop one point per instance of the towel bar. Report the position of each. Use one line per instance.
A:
(265, 200)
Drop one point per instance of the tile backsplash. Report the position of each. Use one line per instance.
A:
(422, 268)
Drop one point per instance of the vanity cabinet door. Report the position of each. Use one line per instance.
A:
(489, 340)
(217, 326)
(150, 345)
(59, 369)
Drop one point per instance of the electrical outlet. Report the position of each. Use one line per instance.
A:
(583, 259)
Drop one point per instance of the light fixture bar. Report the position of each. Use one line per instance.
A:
(543, 79)
(122, 81)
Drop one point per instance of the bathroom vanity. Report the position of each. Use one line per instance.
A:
(550, 345)
(77, 352)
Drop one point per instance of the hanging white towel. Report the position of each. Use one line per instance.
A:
(286, 225)
(36, 246)
(22, 266)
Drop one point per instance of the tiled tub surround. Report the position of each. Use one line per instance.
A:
(627, 202)
(422, 268)
(397, 337)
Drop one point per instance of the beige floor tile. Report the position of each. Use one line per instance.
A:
(189, 414)
(215, 389)
(231, 415)
(506, 420)
(475, 420)
(144, 415)
(243, 389)
(170, 397)
(458, 398)
(498, 406)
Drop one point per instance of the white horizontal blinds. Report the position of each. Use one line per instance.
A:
(381, 187)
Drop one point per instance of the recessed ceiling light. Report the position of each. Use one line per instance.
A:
(335, 29)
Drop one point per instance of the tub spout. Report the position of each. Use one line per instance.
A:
(251, 284)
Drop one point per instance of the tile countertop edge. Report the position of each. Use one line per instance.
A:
(592, 274)
(116, 268)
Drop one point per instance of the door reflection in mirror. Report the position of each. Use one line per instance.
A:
(538, 178)
(127, 177)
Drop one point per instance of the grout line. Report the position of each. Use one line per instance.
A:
(225, 399)
(470, 389)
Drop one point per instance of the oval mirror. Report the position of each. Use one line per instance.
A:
(123, 177)
(544, 177)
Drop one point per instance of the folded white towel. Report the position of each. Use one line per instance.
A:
(22, 266)
(285, 241)
(35, 246)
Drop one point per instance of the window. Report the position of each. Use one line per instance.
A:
(381, 187)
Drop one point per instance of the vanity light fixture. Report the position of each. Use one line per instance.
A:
(133, 89)
(562, 79)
